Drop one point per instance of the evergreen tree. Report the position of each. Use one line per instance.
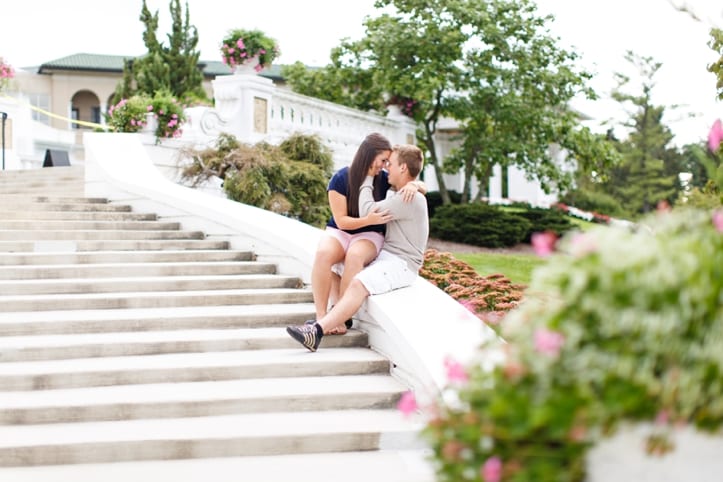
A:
(173, 68)
(645, 176)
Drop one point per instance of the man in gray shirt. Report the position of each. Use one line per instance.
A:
(398, 263)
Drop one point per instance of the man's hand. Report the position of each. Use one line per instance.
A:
(378, 217)
(408, 191)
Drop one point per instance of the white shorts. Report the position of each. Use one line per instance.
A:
(386, 273)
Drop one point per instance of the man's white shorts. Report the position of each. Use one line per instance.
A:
(386, 273)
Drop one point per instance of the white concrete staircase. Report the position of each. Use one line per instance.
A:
(131, 349)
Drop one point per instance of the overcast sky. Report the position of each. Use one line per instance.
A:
(601, 31)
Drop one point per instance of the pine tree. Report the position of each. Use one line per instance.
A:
(172, 68)
(644, 177)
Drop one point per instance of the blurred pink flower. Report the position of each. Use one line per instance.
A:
(582, 244)
(548, 342)
(718, 220)
(715, 136)
(492, 469)
(407, 404)
(455, 370)
(662, 418)
(544, 243)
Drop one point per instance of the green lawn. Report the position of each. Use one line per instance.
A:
(517, 267)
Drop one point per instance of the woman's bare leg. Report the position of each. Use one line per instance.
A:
(328, 253)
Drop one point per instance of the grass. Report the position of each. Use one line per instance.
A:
(517, 267)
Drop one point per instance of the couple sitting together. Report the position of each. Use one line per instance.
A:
(375, 241)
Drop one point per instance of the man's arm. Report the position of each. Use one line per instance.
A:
(394, 204)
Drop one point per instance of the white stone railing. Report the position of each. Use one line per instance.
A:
(252, 108)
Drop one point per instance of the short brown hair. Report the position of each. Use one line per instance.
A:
(411, 156)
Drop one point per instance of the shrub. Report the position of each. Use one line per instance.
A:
(617, 326)
(489, 297)
(289, 179)
(545, 220)
(478, 224)
(129, 115)
(596, 202)
(169, 115)
(434, 200)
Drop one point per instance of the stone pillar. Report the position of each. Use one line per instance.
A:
(243, 104)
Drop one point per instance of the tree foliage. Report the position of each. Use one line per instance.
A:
(490, 65)
(172, 67)
(649, 169)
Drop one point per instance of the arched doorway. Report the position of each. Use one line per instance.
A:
(85, 106)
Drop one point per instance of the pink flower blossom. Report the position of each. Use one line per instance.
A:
(468, 305)
(149, 108)
(407, 404)
(715, 136)
(492, 469)
(662, 418)
(718, 220)
(548, 342)
(582, 244)
(455, 371)
(240, 44)
(544, 243)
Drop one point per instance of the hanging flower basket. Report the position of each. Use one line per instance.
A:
(246, 51)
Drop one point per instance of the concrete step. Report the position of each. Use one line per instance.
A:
(377, 466)
(147, 283)
(94, 235)
(28, 246)
(152, 299)
(198, 437)
(109, 270)
(200, 399)
(71, 225)
(151, 319)
(90, 345)
(37, 204)
(53, 173)
(127, 258)
(188, 367)
(44, 188)
(7, 215)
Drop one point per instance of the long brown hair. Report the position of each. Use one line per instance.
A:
(368, 150)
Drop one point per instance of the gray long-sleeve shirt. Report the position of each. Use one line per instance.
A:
(408, 231)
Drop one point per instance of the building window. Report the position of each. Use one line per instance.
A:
(95, 114)
(41, 101)
(75, 115)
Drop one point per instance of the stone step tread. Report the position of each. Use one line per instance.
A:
(256, 425)
(112, 316)
(19, 235)
(377, 466)
(23, 266)
(147, 283)
(68, 205)
(187, 392)
(29, 246)
(57, 272)
(125, 257)
(54, 199)
(294, 358)
(153, 319)
(153, 299)
(130, 343)
(151, 294)
(76, 216)
(82, 225)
